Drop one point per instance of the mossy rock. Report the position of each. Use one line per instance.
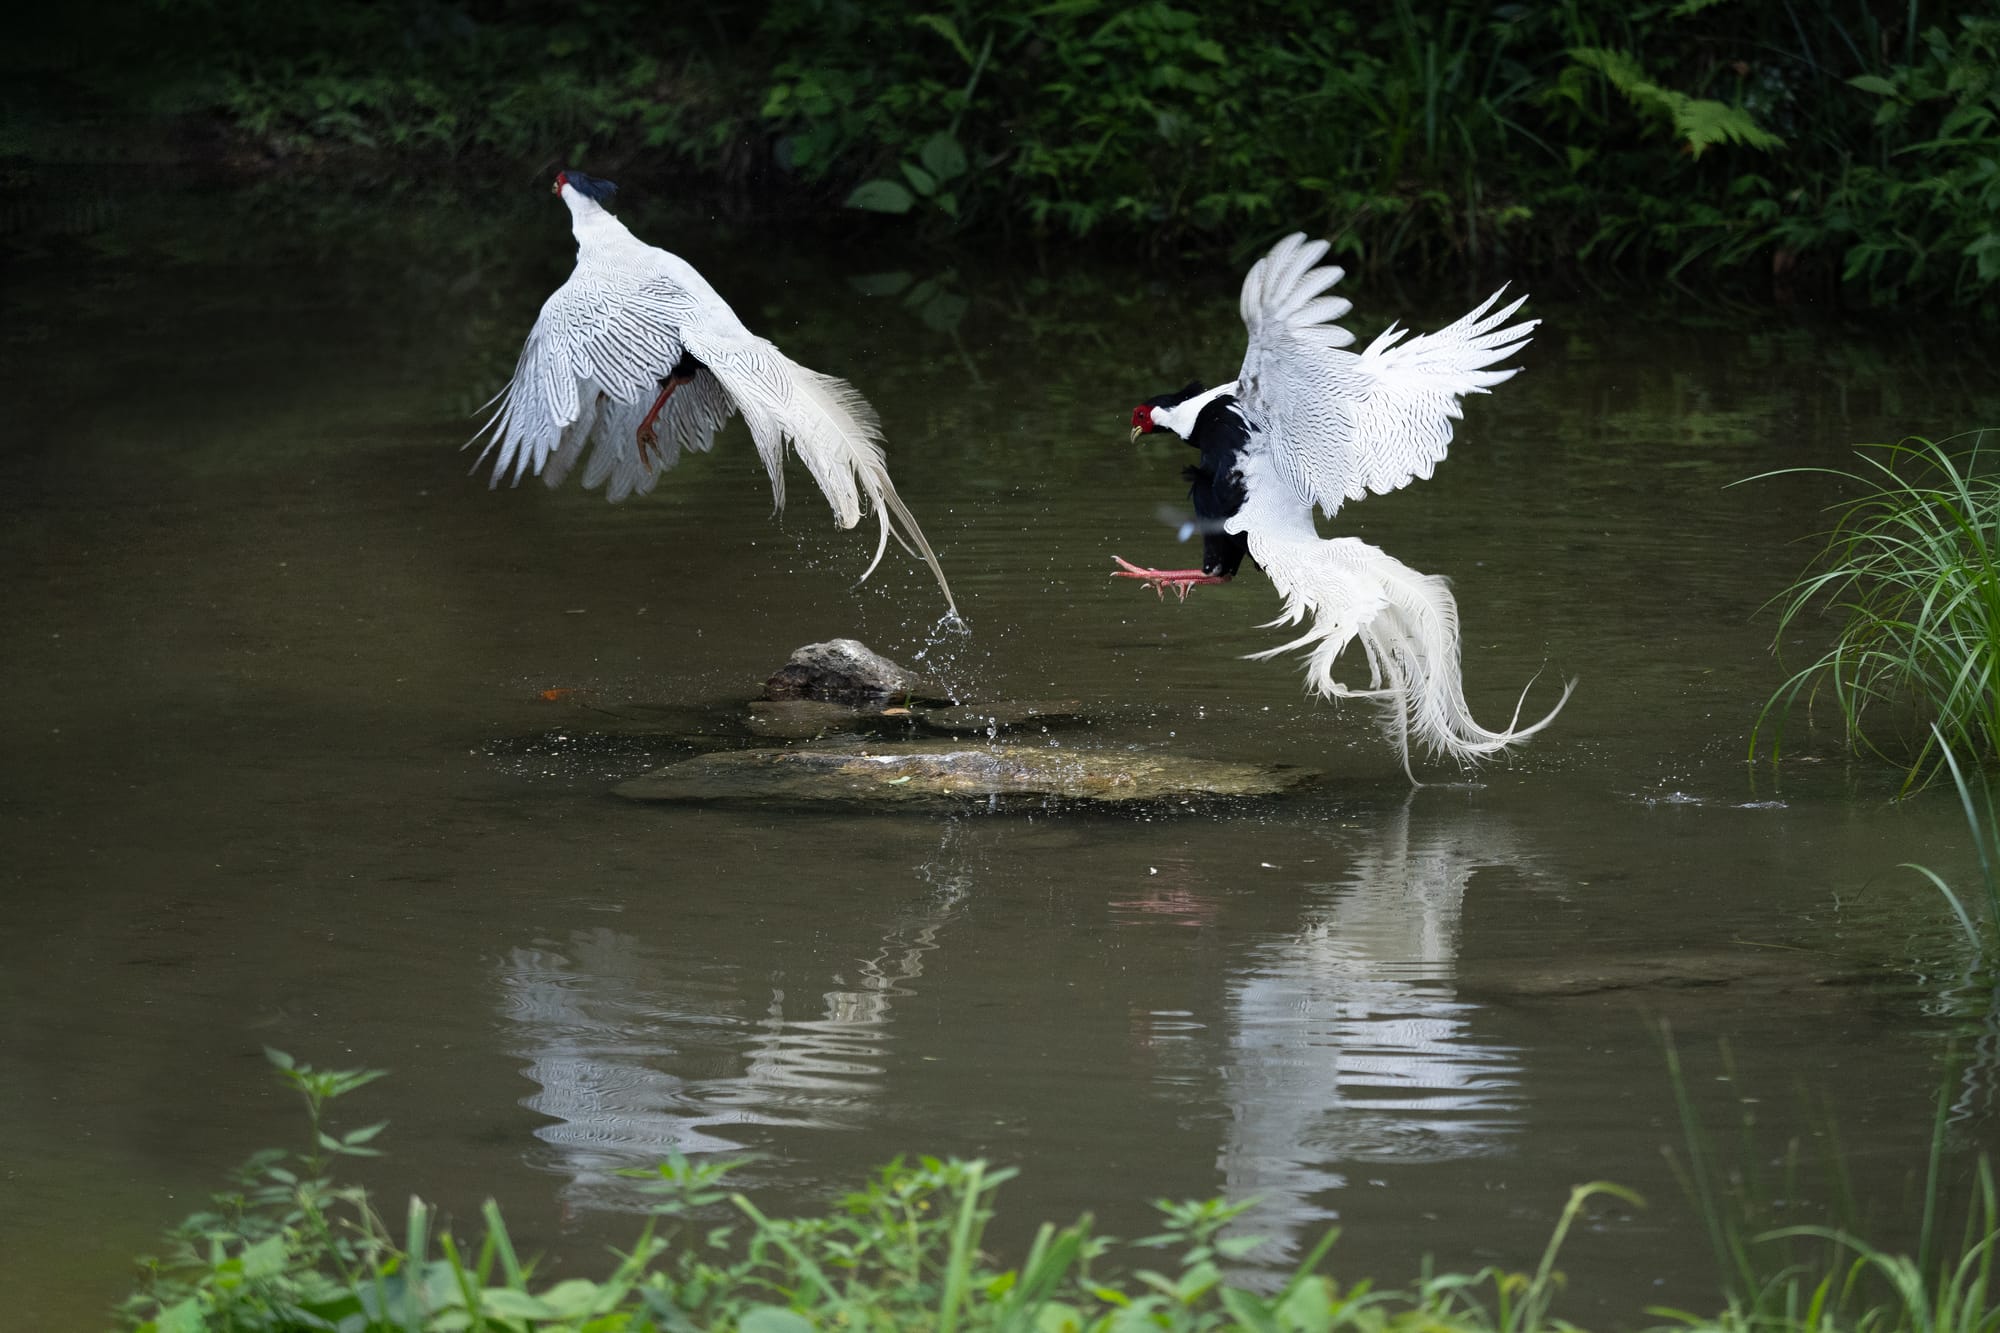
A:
(905, 774)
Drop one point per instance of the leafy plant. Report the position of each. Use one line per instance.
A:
(941, 161)
(1699, 122)
(1835, 152)
(904, 1252)
(1922, 212)
(289, 1246)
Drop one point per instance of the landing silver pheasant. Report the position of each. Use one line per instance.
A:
(636, 358)
(1306, 423)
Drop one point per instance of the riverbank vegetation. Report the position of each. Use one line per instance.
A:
(1845, 151)
(293, 1249)
(1910, 573)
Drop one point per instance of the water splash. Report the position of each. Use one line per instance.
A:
(942, 650)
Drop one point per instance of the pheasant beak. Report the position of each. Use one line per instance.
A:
(1142, 421)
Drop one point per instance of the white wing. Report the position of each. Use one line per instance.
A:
(1343, 425)
(594, 363)
(610, 331)
(610, 430)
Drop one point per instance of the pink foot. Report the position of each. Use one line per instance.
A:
(1159, 580)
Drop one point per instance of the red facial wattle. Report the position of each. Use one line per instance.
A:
(562, 179)
(1142, 419)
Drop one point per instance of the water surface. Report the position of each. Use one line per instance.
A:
(281, 773)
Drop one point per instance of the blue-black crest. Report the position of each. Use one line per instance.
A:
(1167, 400)
(591, 187)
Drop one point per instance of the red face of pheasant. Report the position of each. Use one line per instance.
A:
(1142, 420)
(561, 180)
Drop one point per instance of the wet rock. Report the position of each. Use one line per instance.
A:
(850, 672)
(906, 774)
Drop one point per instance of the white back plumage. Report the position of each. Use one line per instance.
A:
(1328, 425)
(605, 340)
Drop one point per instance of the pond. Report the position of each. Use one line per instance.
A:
(313, 736)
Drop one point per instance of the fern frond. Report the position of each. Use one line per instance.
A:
(1699, 122)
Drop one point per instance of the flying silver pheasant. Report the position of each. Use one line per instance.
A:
(1306, 423)
(636, 357)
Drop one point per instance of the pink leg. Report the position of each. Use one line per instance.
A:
(1159, 580)
(647, 436)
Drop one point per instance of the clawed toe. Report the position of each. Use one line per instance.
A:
(1159, 580)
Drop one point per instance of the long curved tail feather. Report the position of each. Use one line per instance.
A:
(1407, 625)
(835, 433)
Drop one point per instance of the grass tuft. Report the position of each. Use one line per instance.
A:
(1825, 1277)
(1911, 568)
(1982, 819)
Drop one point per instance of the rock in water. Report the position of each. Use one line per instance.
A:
(846, 671)
(901, 774)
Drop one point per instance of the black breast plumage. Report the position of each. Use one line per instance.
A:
(1216, 485)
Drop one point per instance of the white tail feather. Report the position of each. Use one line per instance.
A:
(835, 434)
(1407, 624)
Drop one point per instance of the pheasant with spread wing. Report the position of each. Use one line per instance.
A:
(1307, 423)
(636, 358)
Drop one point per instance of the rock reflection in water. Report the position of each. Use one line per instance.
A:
(622, 1041)
(1348, 1045)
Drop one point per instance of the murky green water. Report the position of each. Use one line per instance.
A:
(279, 774)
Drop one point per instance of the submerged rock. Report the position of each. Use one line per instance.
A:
(902, 774)
(801, 719)
(1730, 974)
(975, 719)
(847, 671)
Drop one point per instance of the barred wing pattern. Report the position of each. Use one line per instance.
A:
(1328, 425)
(610, 430)
(1345, 425)
(600, 351)
(612, 330)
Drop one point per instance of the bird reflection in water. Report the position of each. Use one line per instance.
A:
(1346, 1043)
(638, 1055)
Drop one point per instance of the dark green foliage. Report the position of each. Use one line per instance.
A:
(1923, 211)
(1851, 146)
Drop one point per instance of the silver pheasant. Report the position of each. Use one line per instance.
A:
(1307, 423)
(636, 358)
